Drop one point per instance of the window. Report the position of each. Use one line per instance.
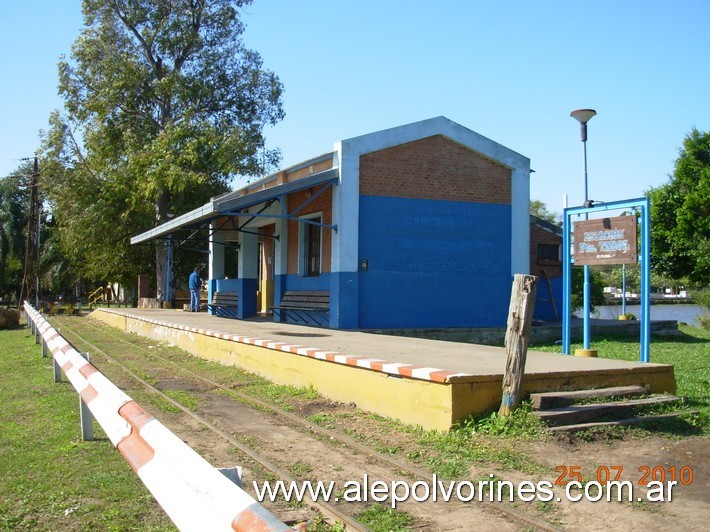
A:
(311, 246)
(548, 252)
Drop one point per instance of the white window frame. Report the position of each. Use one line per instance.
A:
(302, 243)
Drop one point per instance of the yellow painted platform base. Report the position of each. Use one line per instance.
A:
(586, 353)
(432, 405)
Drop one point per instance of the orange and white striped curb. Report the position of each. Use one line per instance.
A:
(195, 495)
(375, 364)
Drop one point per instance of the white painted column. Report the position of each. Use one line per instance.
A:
(216, 267)
(281, 245)
(520, 221)
(280, 256)
(344, 284)
(248, 256)
(346, 210)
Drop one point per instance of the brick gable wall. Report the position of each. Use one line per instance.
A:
(434, 168)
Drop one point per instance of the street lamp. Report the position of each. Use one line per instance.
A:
(583, 116)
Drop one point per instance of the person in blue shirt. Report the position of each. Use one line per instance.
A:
(195, 284)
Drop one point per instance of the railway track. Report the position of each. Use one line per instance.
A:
(332, 513)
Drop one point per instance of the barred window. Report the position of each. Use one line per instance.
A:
(310, 251)
(548, 252)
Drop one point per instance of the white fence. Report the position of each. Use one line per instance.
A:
(195, 495)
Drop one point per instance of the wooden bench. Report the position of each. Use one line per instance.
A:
(224, 304)
(304, 302)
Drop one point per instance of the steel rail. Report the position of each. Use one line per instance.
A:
(342, 438)
(328, 510)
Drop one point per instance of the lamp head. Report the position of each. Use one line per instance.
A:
(583, 116)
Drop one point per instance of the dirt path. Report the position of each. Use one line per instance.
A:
(307, 456)
(303, 455)
(690, 505)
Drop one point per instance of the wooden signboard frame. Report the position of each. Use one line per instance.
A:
(606, 241)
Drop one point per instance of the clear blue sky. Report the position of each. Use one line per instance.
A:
(509, 70)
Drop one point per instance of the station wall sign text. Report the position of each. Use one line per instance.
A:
(605, 241)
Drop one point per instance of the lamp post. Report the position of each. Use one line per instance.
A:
(583, 116)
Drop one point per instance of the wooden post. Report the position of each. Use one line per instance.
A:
(517, 338)
(86, 418)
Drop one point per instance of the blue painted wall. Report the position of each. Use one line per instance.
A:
(433, 263)
(221, 285)
(344, 292)
(543, 300)
(343, 289)
(297, 282)
(227, 285)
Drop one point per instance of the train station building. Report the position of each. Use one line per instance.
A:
(418, 226)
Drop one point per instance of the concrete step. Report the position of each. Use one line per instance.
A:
(546, 400)
(582, 413)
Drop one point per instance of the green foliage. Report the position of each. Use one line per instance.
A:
(521, 423)
(381, 518)
(451, 454)
(680, 214)
(57, 272)
(540, 209)
(614, 276)
(596, 282)
(185, 398)
(164, 105)
(319, 418)
(14, 211)
(54, 266)
(702, 298)
(51, 479)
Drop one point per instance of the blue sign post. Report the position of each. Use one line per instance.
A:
(644, 257)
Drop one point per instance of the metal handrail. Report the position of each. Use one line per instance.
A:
(93, 299)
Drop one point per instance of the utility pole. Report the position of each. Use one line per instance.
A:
(30, 279)
(38, 207)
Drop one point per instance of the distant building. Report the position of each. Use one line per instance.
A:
(546, 263)
(421, 225)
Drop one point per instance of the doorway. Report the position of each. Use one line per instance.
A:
(265, 294)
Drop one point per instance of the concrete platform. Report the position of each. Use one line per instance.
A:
(431, 383)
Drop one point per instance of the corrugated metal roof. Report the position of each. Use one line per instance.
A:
(235, 201)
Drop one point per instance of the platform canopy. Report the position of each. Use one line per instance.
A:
(232, 203)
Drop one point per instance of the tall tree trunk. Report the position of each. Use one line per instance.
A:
(165, 288)
(161, 270)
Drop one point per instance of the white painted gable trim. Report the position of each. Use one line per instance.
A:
(440, 125)
(346, 201)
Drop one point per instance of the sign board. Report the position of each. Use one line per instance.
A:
(605, 241)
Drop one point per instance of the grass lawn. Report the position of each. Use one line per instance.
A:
(49, 478)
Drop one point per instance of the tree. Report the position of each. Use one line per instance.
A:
(14, 212)
(596, 288)
(164, 105)
(680, 215)
(613, 275)
(540, 209)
